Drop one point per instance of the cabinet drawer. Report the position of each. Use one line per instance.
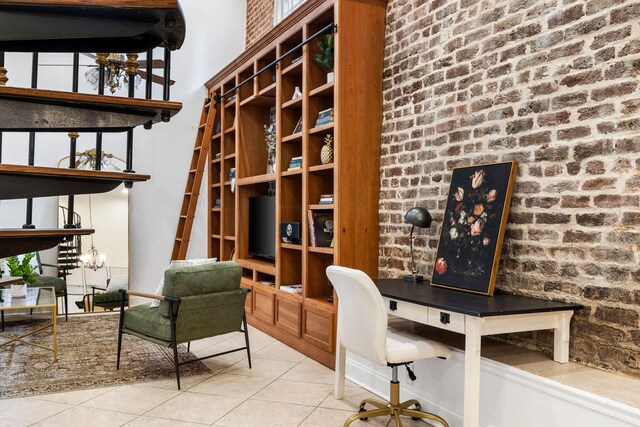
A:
(446, 320)
(319, 328)
(409, 311)
(263, 304)
(288, 315)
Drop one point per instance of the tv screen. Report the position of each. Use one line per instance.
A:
(262, 227)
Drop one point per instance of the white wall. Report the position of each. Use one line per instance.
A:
(215, 36)
(509, 397)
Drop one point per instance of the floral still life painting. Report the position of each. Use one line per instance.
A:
(473, 227)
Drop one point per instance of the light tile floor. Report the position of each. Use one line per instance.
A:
(284, 388)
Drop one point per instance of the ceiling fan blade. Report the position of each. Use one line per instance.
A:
(157, 63)
(155, 78)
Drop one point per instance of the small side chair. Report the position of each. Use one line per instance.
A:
(363, 330)
(197, 302)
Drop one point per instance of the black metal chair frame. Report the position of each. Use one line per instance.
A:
(175, 302)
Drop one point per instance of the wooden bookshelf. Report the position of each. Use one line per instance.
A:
(305, 321)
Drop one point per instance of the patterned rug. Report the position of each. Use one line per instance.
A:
(87, 349)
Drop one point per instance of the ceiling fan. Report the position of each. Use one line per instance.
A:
(115, 71)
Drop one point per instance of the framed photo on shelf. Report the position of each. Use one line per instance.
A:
(473, 227)
(298, 127)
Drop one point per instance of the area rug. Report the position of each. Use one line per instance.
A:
(87, 349)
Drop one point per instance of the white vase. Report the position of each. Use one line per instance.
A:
(330, 77)
(19, 290)
(297, 93)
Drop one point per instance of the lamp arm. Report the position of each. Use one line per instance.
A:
(413, 261)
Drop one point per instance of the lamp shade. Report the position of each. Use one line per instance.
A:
(420, 217)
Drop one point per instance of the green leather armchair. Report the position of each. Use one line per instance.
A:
(197, 302)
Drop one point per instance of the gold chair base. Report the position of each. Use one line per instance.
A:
(394, 409)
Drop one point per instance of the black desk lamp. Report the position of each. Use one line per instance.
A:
(417, 217)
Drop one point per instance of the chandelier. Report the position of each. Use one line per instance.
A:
(87, 160)
(93, 259)
(115, 74)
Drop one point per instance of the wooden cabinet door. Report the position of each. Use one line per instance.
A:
(248, 304)
(288, 315)
(264, 304)
(319, 327)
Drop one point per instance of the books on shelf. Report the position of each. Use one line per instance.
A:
(217, 204)
(270, 283)
(295, 163)
(232, 173)
(324, 117)
(292, 289)
(218, 155)
(326, 199)
(320, 228)
(294, 60)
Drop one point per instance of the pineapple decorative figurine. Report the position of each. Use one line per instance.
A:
(326, 154)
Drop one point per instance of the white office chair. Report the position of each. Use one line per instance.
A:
(362, 329)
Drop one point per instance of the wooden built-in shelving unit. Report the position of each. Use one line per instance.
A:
(305, 321)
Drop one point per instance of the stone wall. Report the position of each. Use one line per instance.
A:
(259, 19)
(552, 84)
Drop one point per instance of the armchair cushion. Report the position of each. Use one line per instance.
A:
(46, 281)
(147, 323)
(199, 280)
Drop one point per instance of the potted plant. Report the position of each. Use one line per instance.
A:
(22, 269)
(325, 59)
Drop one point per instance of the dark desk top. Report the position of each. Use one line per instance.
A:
(467, 303)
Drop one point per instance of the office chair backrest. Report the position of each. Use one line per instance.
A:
(362, 318)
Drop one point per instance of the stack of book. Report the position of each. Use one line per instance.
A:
(217, 204)
(232, 174)
(295, 163)
(324, 117)
(320, 228)
(326, 199)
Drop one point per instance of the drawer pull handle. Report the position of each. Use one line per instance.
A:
(393, 305)
(445, 319)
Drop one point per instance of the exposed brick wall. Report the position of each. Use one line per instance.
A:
(553, 84)
(259, 19)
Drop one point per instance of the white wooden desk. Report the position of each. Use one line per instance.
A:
(474, 316)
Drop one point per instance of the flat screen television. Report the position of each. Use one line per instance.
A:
(262, 227)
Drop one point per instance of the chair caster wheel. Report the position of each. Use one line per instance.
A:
(363, 410)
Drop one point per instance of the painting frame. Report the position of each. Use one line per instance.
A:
(473, 227)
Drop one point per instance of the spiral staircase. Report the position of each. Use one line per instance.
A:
(70, 26)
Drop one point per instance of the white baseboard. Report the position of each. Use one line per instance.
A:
(509, 396)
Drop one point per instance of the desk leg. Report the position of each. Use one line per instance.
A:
(341, 361)
(473, 335)
(561, 337)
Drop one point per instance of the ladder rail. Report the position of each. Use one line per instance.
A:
(195, 175)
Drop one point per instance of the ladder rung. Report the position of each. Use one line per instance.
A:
(193, 170)
(188, 194)
(202, 126)
(183, 216)
(178, 239)
(197, 149)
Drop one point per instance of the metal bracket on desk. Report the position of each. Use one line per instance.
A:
(393, 305)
